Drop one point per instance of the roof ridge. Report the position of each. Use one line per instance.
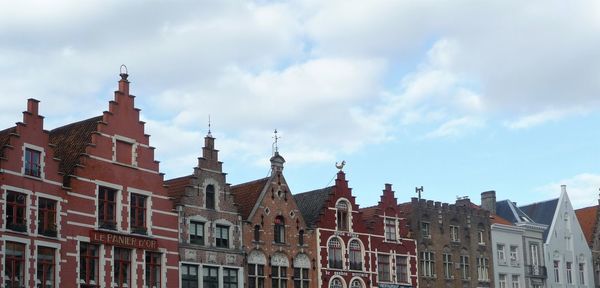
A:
(178, 178)
(315, 190)
(539, 202)
(249, 182)
(75, 123)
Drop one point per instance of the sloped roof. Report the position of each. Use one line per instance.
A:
(369, 216)
(246, 195)
(311, 203)
(71, 140)
(588, 220)
(541, 212)
(4, 137)
(497, 219)
(509, 211)
(176, 187)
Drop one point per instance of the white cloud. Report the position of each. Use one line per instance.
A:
(456, 127)
(540, 118)
(582, 189)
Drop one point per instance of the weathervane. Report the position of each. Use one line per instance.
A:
(209, 134)
(341, 165)
(419, 190)
(123, 72)
(275, 144)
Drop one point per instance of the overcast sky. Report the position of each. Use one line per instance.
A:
(460, 97)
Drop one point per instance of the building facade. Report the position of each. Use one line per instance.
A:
(278, 245)
(588, 219)
(84, 204)
(453, 243)
(566, 252)
(210, 232)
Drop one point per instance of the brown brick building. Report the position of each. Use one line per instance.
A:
(453, 243)
(278, 247)
(210, 242)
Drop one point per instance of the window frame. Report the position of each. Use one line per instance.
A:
(222, 239)
(13, 208)
(137, 225)
(207, 278)
(425, 229)
(427, 261)
(465, 272)
(18, 259)
(342, 215)
(104, 205)
(89, 258)
(30, 167)
(210, 201)
(355, 253)
(227, 274)
(122, 267)
(335, 259)
(153, 263)
(301, 277)
(278, 276)
(454, 233)
(47, 216)
(279, 230)
(192, 236)
(189, 280)
(383, 268)
(402, 269)
(46, 263)
(256, 275)
(448, 265)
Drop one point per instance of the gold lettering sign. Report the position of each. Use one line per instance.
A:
(123, 240)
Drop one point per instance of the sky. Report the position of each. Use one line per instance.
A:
(459, 97)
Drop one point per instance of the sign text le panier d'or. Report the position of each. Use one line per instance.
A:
(123, 240)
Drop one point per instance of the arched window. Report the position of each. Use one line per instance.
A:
(336, 283)
(335, 253)
(279, 230)
(355, 255)
(301, 237)
(257, 233)
(342, 215)
(210, 197)
(356, 284)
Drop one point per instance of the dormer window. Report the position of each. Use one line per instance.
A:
(342, 215)
(210, 197)
(33, 162)
(279, 230)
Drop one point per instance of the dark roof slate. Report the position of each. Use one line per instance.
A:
(311, 204)
(5, 137)
(246, 195)
(541, 212)
(70, 142)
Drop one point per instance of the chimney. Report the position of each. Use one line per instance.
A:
(488, 201)
(563, 188)
(32, 106)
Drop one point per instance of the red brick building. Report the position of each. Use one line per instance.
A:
(84, 205)
(210, 240)
(350, 254)
(277, 244)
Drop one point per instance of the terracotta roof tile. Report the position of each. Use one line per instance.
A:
(246, 195)
(4, 138)
(70, 142)
(588, 218)
(311, 204)
(176, 187)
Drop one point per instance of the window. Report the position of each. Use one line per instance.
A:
(569, 273)
(88, 265)
(222, 236)
(582, 273)
(256, 233)
(15, 211)
(153, 269)
(138, 213)
(210, 277)
(14, 265)
(301, 279)
(425, 230)
(197, 232)
(45, 268)
(279, 230)
(481, 235)
(383, 267)
(230, 278)
(210, 197)
(401, 269)
(33, 165)
(47, 217)
(278, 277)
(107, 208)
(189, 276)
(482, 269)
(556, 271)
(256, 276)
(301, 237)
(355, 255)
(515, 281)
(427, 264)
(336, 283)
(335, 253)
(390, 229)
(356, 284)
(122, 267)
(501, 254)
(464, 267)
(454, 233)
(502, 281)
(514, 255)
(447, 266)
(342, 215)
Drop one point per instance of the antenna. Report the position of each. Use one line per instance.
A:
(419, 190)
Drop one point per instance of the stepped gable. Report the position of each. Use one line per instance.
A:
(246, 195)
(311, 204)
(588, 220)
(5, 138)
(541, 212)
(70, 142)
(176, 187)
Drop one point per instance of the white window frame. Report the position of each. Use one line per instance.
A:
(42, 162)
